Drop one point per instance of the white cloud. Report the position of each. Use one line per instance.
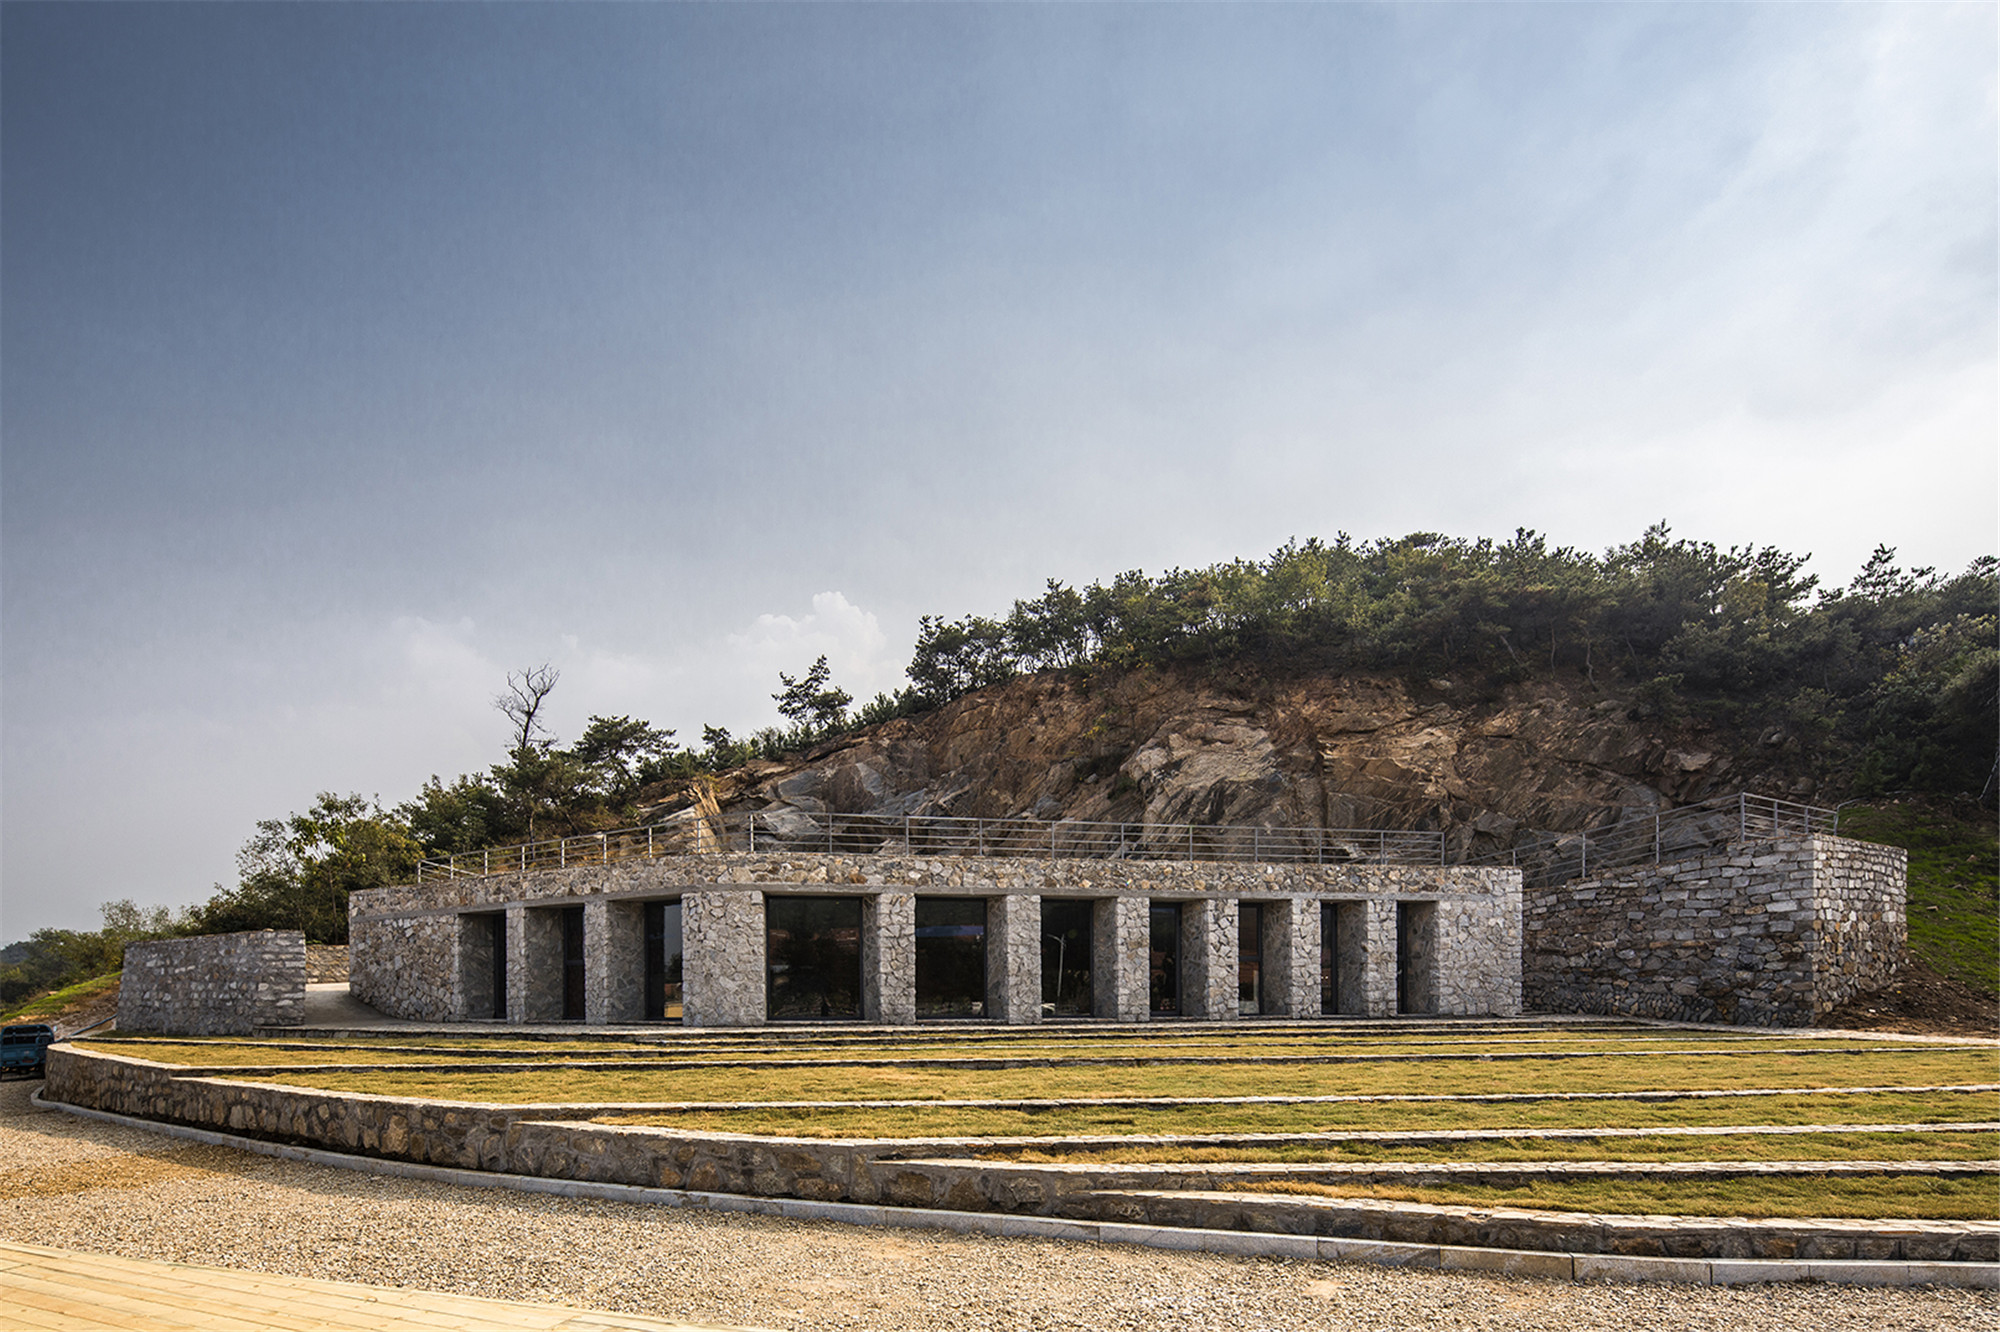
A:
(852, 640)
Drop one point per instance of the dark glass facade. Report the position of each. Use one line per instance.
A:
(812, 951)
(1329, 958)
(1249, 959)
(1164, 989)
(951, 957)
(572, 964)
(663, 962)
(1066, 958)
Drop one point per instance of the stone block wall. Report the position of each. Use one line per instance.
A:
(405, 966)
(326, 963)
(1764, 934)
(409, 957)
(214, 984)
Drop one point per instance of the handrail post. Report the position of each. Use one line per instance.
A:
(1190, 829)
(1656, 837)
(1052, 842)
(1256, 845)
(1742, 816)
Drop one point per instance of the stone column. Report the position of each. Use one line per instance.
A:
(614, 945)
(1378, 958)
(1119, 975)
(1209, 963)
(1014, 958)
(889, 958)
(517, 964)
(722, 959)
(541, 955)
(1291, 957)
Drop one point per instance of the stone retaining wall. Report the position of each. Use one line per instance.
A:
(550, 1142)
(410, 957)
(214, 984)
(1768, 934)
(326, 963)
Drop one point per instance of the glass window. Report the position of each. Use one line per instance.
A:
(812, 950)
(663, 961)
(951, 957)
(1249, 959)
(1165, 919)
(1066, 958)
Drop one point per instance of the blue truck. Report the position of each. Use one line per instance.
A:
(24, 1048)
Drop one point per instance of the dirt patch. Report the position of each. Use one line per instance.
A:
(114, 1172)
(1923, 1002)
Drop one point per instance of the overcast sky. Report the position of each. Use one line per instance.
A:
(352, 355)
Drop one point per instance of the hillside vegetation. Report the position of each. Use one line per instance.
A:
(1488, 688)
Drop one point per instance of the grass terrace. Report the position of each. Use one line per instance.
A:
(1357, 1092)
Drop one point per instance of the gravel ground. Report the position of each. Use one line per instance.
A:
(78, 1184)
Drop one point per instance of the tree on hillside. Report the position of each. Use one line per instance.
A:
(522, 700)
(814, 702)
(618, 752)
(296, 873)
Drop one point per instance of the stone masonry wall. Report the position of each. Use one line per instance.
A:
(1768, 934)
(557, 1142)
(326, 963)
(405, 967)
(214, 984)
(406, 956)
(1860, 917)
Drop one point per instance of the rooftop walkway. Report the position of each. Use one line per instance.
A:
(80, 1292)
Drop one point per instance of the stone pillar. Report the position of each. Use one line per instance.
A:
(614, 945)
(1378, 958)
(541, 965)
(1291, 957)
(722, 959)
(1014, 958)
(517, 964)
(889, 958)
(1209, 963)
(1119, 975)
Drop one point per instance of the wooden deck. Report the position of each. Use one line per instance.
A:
(82, 1292)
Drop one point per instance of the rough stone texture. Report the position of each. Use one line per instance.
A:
(326, 963)
(409, 952)
(722, 938)
(1291, 957)
(1209, 963)
(1290, 750)
(214, 984)
(889, 958)
(548, 1141)
(614, 966)
(1763, 934)
(539, 965)
(1014, 958)
(1120, 959)
(1378, 959)
(405, 967)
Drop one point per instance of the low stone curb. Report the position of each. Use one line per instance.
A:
(1560, 1266)
(664, 1063)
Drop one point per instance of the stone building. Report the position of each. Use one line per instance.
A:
(734, 938)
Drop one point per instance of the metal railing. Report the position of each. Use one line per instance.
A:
(1675, 834)
(1543, 859)
(938, 835)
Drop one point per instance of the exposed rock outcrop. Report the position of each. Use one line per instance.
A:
(1150, 746)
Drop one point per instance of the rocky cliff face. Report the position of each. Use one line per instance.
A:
(1255, 750)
